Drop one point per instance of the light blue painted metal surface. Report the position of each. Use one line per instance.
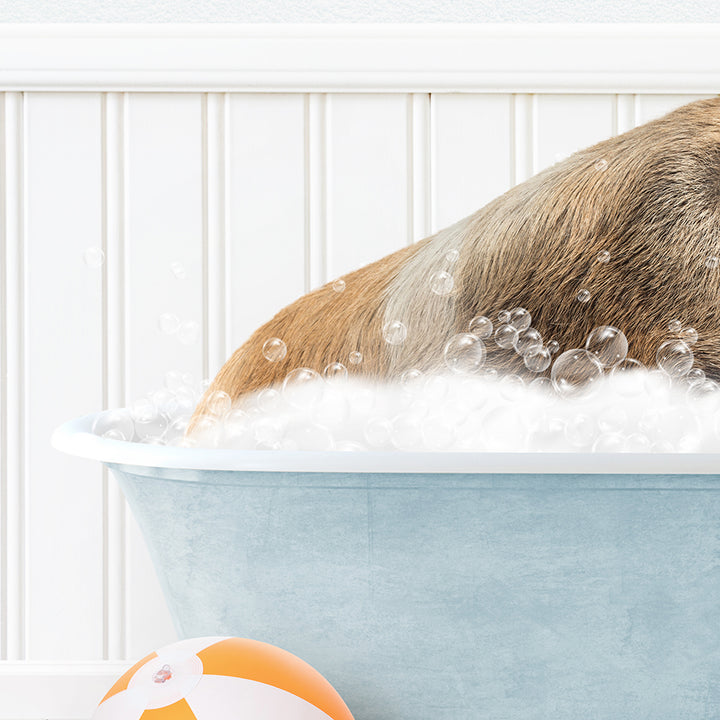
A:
(445, 597)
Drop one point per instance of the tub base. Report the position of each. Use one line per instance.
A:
(441, 597)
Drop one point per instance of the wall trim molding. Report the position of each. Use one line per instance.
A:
(55, 691)
(575, 58)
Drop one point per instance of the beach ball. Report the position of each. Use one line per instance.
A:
(222, 678)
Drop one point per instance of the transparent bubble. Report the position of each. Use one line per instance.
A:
(613, 419)
(435, 388)
(411, 379)
(349, 446)
(528, 341)
(511, 387)
(657, 382)
(607, 345)
(520, 318)
(543, 384)
(584, 296)
(185, 398)
(553, 346)
(206, 432)
(143, 410)
(464, 353)
(118, 423)
(395, 332)
(338, 285)
(268, 432)
(377, 432)
(627, 377)
(609, 442)
(333, 409)
(274, 349)
(94, 257)
(442, 283)
(712, 262)
(601, 165)
(151, 428)
(636, 443)
(504, 317)
(306, 436)
(178, 270)
(580, 431)
(675, 358)
(481, 327)
(189, 333)
(538, 361)
(506, 336)
(176, 428)
(452, 256)
(696, 375)
(335, 372)
(704, 391)
(675, 326)
(237, 432)
(268, 399)
(406, 431)
(302, 387)
(603, 257)
(574, 373)
(689, 336)
(169, 323)
(218, 403)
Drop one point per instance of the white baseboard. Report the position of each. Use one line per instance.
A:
(54, 691)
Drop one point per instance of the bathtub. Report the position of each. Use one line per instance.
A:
(446, 586)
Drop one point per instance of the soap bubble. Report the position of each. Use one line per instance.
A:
(613, 419)
(302, 387)
(442, 283)
(338, 285)
(694, 376)
(189, 332)
(406, 431)
(506, 336)
(274, 349)
(675, 358)
(481, 327)
(504, 317)
(218, 403)
(607, 345)
(335, 372)
(355, 357)
(538, 360)
(528, 341)
(609, 443)
(689, 336)
(636, 443)
(601, 165)
(574, 372)
(94, 257)
(543, 384)
(152, 428)
(675, 326)
(603, 257)
(511, 387)
(520, 318)
(580, 431)
(452, 256)
(306, 436)
(377, 432)
(178, 270)
(584, 296)
(712, 262)
(465, 353)
(268, 399)
(553, 346)
(411, 379)
(169, 323)
(394, 332)
(143, 410)
(626, 376)
(237, 431)
(114, 425)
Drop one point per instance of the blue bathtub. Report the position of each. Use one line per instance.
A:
(446, 586)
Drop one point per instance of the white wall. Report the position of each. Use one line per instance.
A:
(386, 11)
(250, 191)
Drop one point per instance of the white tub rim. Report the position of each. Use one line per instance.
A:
(75, 437)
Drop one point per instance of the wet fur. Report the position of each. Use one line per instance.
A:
(655, 209)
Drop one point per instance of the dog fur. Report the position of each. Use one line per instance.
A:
(655, 207)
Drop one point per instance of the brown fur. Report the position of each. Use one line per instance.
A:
(655, 209)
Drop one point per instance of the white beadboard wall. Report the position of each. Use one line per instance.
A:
(264, 178)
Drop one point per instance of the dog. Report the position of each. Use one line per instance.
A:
(624, 233)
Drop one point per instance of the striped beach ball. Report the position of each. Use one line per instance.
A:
(221, 678)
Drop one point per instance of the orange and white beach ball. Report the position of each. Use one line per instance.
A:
(221, 678)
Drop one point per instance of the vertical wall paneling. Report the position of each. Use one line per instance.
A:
(267, 222)
(472, 137)
(625, 113)
(63, 322)
(566, 123)
(3, 389)
(315, 183)
(114, 371)
(214, 230)
(524, 147)
(367, 178)
(13, 464)
(651, 106)
(419, 174)
(163, 230)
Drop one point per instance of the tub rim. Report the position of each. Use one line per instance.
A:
(75, 437)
